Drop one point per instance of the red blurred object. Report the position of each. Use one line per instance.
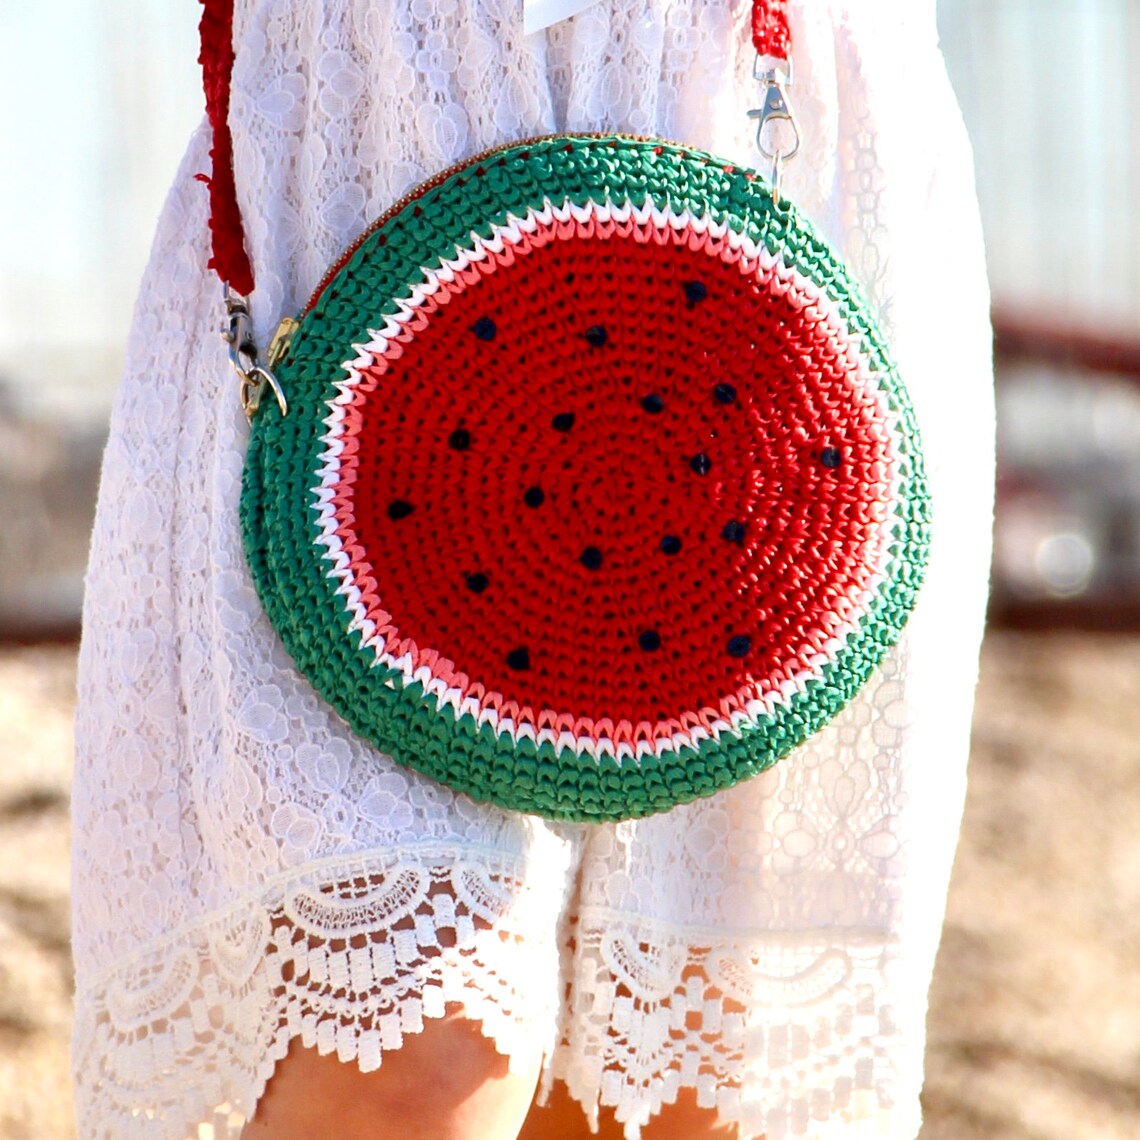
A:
(1058, 509)
(1019, 337)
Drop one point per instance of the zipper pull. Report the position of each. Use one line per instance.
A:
(282, 341)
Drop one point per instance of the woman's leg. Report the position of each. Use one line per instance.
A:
(446, 1083)
(562, 1118)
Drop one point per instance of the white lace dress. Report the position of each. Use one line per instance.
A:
(246, 872)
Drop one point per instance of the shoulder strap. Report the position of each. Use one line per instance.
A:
(770, 36)
(217, 59)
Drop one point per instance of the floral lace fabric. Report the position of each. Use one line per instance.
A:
(247, 872)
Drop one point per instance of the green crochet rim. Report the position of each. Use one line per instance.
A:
(280, 492)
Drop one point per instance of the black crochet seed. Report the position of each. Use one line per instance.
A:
(518, 658)
(484, 328)
(591, 558)
(652, 402)
(830, 457)
(596, 335)
(564, 421)
(534, 496)
(701, 463)
(671, 544)
(477, 582)
(399, 509)
(649, 639)
(460, 439)
(733, 531)
(724, 393)
(739, 645)
(695, 291)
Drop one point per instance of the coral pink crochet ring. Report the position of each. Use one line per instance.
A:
(588, 486)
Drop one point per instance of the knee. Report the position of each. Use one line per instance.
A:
(446, 1082)
(683, 1120)
(562, 1118)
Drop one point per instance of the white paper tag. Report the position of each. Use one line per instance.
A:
(539, 14)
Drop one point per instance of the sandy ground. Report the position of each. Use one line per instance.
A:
(1035, 1014)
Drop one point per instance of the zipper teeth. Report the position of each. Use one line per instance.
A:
(437, 180)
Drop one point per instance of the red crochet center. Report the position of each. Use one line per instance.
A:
(798, 459)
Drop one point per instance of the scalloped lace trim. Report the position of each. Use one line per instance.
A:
(739, 1020)
(350, 958)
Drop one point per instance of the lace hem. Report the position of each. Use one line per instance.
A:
(783, 1035)
(349, 958)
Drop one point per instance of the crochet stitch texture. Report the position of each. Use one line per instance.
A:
(599, 491)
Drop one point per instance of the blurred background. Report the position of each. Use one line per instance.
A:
(1035, 1016)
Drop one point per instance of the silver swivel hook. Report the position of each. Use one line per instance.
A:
(777, 129)
(254, 378)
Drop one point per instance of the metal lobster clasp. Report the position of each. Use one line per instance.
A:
(253, 377)
(777, 129)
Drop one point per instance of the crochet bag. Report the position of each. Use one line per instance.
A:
(585, 483)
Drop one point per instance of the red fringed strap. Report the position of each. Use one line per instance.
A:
(770, 33)
(217, 60)
(770, 36)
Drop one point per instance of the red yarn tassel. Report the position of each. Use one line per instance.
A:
(217, 60)
(770, 32)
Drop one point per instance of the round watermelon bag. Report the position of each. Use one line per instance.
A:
(589, 486)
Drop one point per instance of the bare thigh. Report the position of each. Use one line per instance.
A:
(446, 1083)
